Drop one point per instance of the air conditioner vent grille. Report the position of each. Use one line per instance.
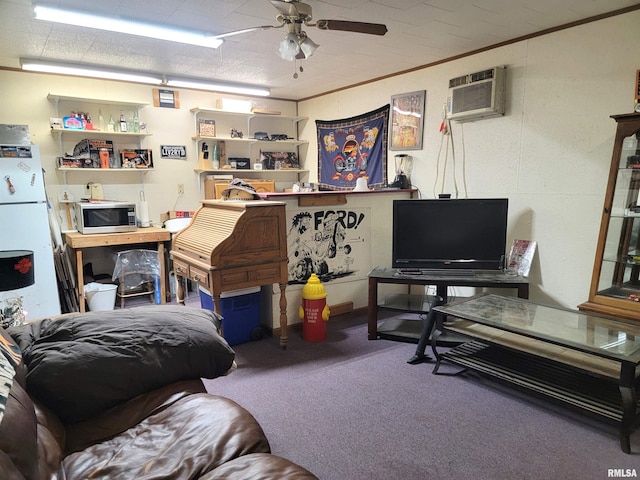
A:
(484, 75)
(473, 97)
(456, 82)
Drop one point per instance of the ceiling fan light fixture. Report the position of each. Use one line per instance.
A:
(308, 47)
(289, 47)
(129, 27)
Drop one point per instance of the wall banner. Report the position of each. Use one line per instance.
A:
(352, 148)
(333, 243)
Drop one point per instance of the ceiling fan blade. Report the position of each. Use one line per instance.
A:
(357, 27)
(246, 30)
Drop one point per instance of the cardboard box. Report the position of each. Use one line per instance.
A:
(241, 163)
(88, 148)
(176, 214)
(261, 186)
(136, 158)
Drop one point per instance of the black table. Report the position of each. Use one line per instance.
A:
(480, 278)
(586, 361)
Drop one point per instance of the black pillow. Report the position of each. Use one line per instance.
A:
(85, 363)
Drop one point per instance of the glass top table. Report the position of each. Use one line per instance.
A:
(603, 336)
(587, 361)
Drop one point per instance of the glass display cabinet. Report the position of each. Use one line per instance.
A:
(615, 284)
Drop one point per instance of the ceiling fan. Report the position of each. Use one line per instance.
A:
(297, 45)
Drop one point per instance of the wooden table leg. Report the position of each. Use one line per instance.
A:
(80, 278)
(283, 316)
(179, 289)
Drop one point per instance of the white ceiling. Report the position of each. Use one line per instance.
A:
(420, 33)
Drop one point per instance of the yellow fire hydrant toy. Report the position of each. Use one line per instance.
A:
(314, 311)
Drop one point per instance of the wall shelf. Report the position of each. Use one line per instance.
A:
(249, 123)
(56, 98)
(281, 172)
(127, 139)
(108, 171)
(97, 133)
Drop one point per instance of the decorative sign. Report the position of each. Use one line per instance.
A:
(166, 98)
(407, 120)
(178, 152)
(333, 243)
(353, 148)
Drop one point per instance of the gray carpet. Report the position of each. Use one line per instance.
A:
(349, 408)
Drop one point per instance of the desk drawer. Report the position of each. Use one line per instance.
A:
(256, 275)
(200, 276)
(181, 268)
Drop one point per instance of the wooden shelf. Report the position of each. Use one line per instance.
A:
(54, 97)
(248, 115)
(230, 171)
(98, 133)
(251, 141)
(105, 170)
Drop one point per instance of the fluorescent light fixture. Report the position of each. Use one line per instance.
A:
(219, 87)
(88, 71)
(129, 27)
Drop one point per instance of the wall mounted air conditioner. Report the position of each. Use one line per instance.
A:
(477, 95)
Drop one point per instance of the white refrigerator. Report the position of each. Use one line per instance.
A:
(24, 227)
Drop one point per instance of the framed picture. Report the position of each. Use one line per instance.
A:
(407, 121)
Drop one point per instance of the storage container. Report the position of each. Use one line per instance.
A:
(240, 310)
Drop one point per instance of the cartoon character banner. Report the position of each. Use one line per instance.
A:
(333, 243)
(352, 148)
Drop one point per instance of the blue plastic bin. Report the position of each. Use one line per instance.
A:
(240, 310)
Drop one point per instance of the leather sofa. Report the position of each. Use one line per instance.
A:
(118, 395)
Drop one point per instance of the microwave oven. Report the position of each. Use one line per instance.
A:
(105, 217)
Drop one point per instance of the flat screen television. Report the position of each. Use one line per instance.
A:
(468, 234)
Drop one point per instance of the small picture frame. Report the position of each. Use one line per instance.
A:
(407, 120)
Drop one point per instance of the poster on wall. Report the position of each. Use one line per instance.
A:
(407, 120)
(333, 243)
(352, 148)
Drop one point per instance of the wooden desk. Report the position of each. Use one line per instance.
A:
(231, 245)
(78, 242)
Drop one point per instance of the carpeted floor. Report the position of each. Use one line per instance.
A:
(349, 409)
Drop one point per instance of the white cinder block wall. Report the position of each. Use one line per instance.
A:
(549, 155)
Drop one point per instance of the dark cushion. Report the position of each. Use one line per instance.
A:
(82, 364)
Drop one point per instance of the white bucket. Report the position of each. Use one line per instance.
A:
(100, 296)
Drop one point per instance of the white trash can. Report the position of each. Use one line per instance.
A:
(100, 296)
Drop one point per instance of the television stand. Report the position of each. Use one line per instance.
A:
(411, 330)
(431, 272)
